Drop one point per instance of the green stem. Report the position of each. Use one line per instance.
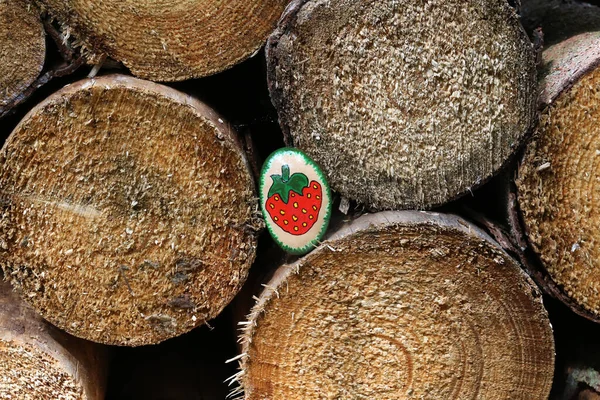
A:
(285, 173)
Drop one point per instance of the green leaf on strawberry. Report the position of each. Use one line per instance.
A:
(284, 184)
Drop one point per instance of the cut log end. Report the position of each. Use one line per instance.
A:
(170, 40)
(400, 304)
(31, 373)
(22, 48)
(373, 96)
(557, 183)
(38, 361)
(128, 211)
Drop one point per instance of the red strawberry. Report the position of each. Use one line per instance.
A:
(294, 203)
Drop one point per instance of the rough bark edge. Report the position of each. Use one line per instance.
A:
(581, 383)
(515, 242)
(566, 63)
(285, 26)
(361, 224)
(90, 55)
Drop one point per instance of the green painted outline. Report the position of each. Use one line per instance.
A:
(267, 164)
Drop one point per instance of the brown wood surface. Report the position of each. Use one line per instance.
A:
(399, 305)
(557, 178)
(38, 361)
(129, 213)
(22, 49)
(169, 40)
(397, 113)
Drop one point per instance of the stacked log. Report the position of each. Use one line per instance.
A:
(397, 113)
(37, 361)
(128, 211)
(169, 40)
(557, 177)
(399, 305)
(22, 49)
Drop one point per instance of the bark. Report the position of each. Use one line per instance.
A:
(559, 19)
(22, 49)
(172, 40)
(37, 361)
(129, 212)
(397, 113)
(555, 219)
(399, 304)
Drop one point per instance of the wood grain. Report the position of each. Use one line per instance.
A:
(128, 211)
(169, 40)
(399, 305)
(403, 104)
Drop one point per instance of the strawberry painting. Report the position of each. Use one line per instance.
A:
(294, 202)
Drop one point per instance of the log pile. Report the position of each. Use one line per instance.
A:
(130, 217)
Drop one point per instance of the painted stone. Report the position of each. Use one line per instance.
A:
(295, 200)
